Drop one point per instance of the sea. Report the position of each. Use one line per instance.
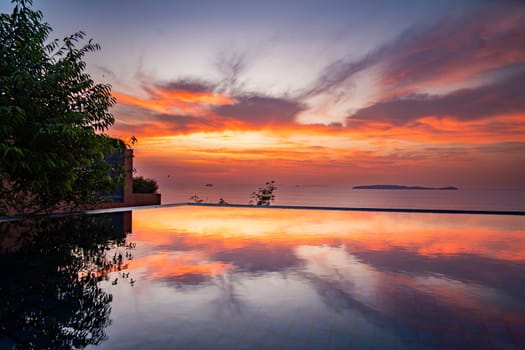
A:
(346, 196)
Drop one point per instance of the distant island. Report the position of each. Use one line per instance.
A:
(399, 187)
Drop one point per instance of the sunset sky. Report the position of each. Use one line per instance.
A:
(312, 92)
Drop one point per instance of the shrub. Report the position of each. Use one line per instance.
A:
(142, 185)
(196, 199)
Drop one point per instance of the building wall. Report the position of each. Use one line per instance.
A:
(135, 199)
(128, 175)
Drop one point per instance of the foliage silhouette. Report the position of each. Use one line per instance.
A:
(142, 185)
(196, 199)
(264, 195)
(52, 141)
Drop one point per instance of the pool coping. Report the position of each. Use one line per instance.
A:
(289, 207)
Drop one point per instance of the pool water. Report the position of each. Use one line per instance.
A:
(243, 278)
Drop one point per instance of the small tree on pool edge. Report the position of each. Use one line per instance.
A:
(265, 195)
(196, 199)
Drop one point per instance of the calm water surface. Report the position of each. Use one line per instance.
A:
(345, 196)
(230, 278)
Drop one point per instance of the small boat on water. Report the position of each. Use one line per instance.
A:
(209, 185)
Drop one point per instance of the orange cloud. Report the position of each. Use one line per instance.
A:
(208, 98)
(439, 151)
(167, 101)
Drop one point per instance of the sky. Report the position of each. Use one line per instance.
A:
(412, 92)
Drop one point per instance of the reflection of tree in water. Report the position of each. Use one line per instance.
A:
(49, 270)
(229, 301)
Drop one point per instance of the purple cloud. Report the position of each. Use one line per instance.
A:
(188, 84)
(505, 97)
(481, 39)
(262, 110)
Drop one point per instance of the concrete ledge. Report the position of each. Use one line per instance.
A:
(137, 199)
(387, 210)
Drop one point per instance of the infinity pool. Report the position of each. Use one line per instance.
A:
(242, 278)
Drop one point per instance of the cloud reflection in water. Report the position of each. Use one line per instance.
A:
(403, 278)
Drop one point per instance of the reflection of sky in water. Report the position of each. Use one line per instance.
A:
(242, 278)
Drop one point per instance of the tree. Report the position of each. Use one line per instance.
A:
(53, 119)
(264, 195)
(142, 185)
